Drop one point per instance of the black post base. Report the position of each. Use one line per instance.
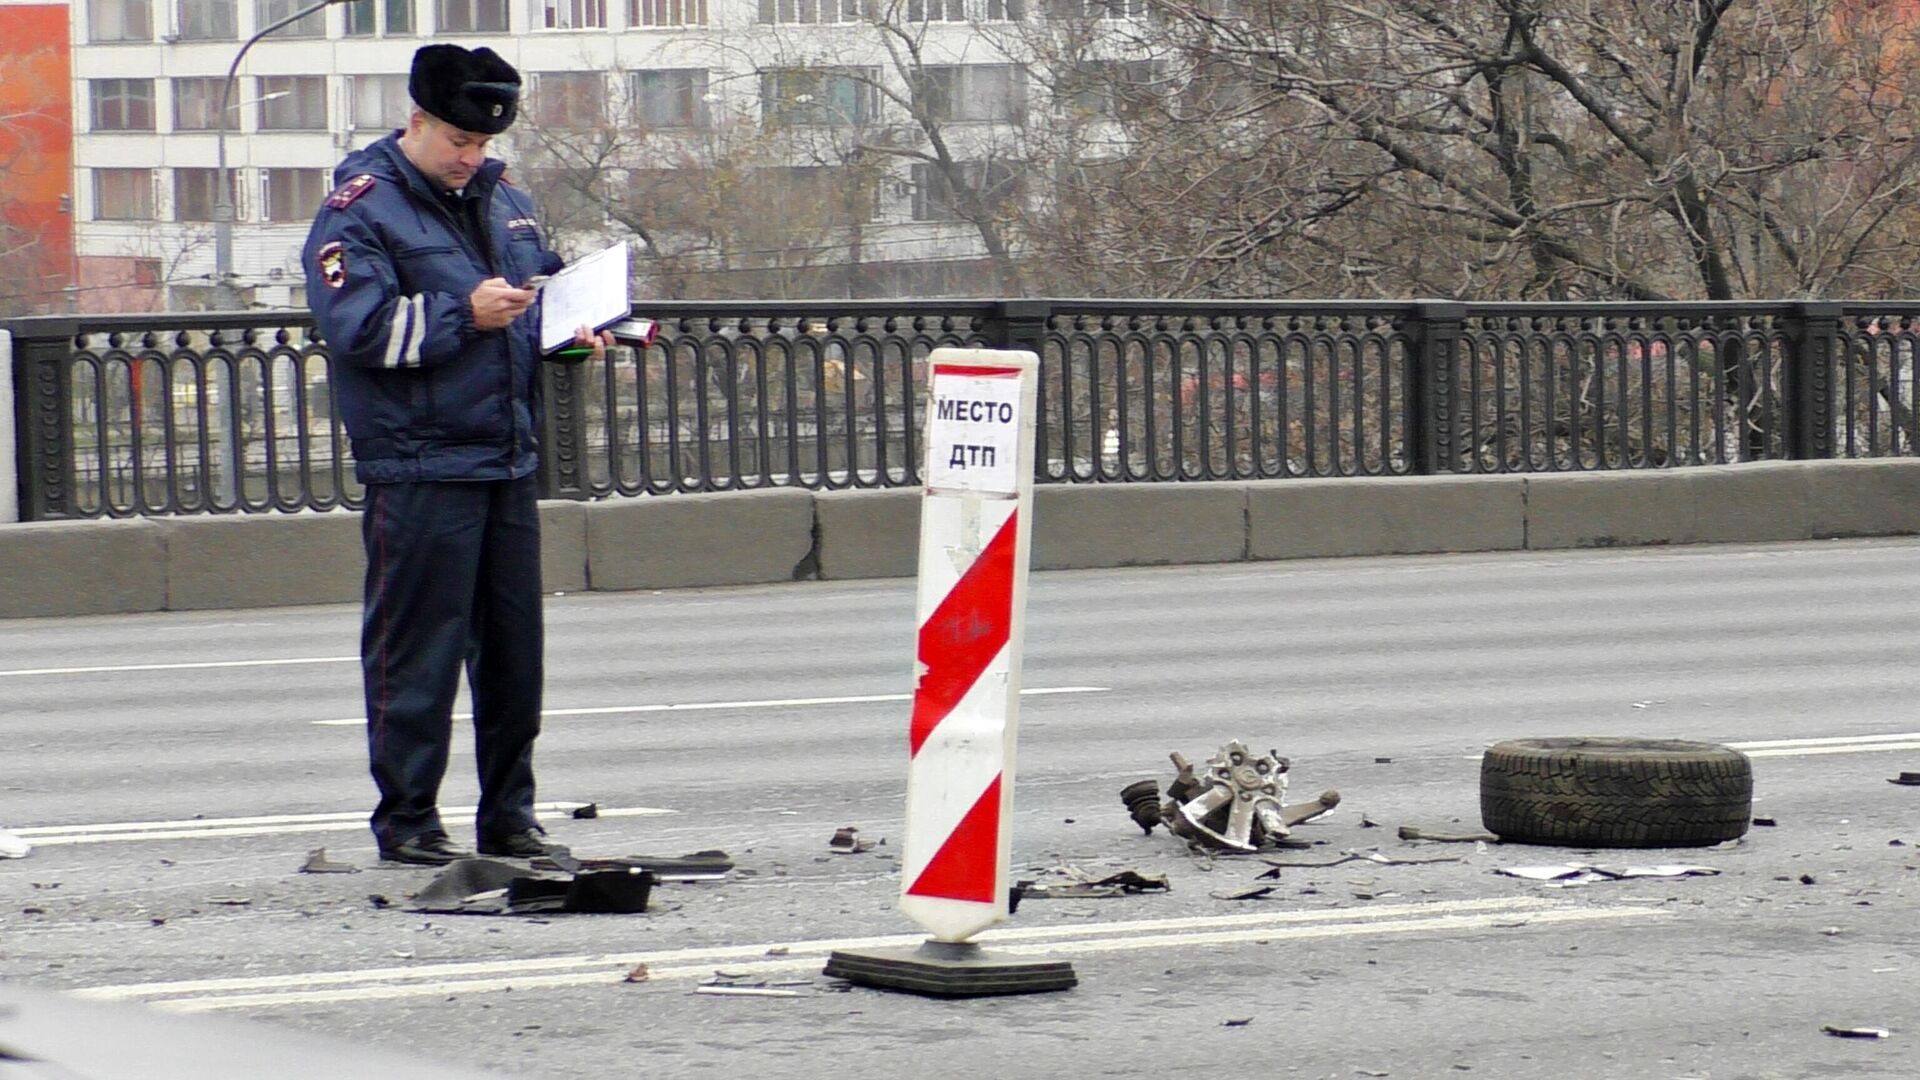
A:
(948, 969)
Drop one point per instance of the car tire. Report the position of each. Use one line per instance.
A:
(1613, 792)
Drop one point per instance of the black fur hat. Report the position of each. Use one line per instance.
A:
(473, 91)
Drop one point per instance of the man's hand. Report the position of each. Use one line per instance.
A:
(584, 337)
(496, 303)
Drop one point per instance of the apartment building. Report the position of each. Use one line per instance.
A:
(767, 113)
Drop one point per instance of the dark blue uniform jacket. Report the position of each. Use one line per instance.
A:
(390, 269)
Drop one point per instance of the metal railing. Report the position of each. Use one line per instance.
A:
(186, 414)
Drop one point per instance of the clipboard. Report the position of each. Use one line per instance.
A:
(591, 291)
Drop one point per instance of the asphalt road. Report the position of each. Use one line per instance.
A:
(174, 770)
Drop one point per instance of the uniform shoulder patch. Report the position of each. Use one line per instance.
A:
(344, 195)
(331, 261)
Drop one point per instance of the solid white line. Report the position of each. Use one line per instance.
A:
(1834, 740)
(1810, 751)
(699, 706)
(180, 667)
(1834, 744)
(59, 835)
(1511, 905)
(1070, 946)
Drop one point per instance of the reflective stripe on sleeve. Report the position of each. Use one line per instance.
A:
(403, 336)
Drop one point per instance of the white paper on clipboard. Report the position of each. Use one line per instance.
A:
(591, 291)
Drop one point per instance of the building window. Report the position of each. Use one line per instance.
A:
(120, 20)
(667, 13)
(123, 194)
(974, 92)
(934, 197)
(380, 101)
(293, 194)
(831, 97)
(670, 98)
(1094, 9)
(365, 18)
(293, 103)
(194, 191)
(569, 14)
(122, 104)
(196, 104)
(268, 12)
(473, 16)
(569, 99)
(813, 11)
(209, 20)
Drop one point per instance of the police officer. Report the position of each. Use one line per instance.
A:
(415, 271)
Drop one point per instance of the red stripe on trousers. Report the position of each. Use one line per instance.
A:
(964, 633)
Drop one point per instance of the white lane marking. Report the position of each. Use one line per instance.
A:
(698, 706)
(1070, 946)
(690, 962)
(56, 835)
(1833, 744)
(179, 667)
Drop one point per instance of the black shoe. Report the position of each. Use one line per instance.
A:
(427, 849)
(526, 844)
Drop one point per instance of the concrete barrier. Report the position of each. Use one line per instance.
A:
(82, 568)
(675, 541)
(732, 538)
(274, 560)
(1315, 519)
(867, 534)
(1088, 525)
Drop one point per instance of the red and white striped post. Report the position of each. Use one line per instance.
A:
(975, 520)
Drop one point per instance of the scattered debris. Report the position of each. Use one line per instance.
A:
(230, 901)
(1905, 779)
(1370, 855)
(1368, 823)
(744, 991)
(846, 841)
(318, 863)
(1765, 822)
(1383, 761)
(1233, 804)
(1124, 883)
(488, 887)
(1806, 879)
(710, 865)
(379, 901)
(591, 810)
(1238, 1021)
(1856, 1032)
(12, 847)
(1411, 832)
(1582, 873)
(1257, 892)
(779, 950)
(639, 974)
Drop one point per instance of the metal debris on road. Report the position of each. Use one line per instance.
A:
(744, 991)
(846, 841)
(1239, 1021)
(709, 865)
(1233, 803)
(1370, 855)
(318, 863)
(1257, 892)
(1856, 1032)
(1905, 779)
(1582, 873)
(639, 974)
(1411, 832)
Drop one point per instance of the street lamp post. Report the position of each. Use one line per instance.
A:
(229, 297)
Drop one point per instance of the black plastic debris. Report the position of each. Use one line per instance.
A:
(318, 863)
(1124, 883)
(1765, 822)
(1258, 892)
(846, 841)
(488, 887)
(1855, 1032)
(591, 810)
(1905, 779)
(710, 865)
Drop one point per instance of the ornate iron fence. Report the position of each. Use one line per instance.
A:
(183, 414)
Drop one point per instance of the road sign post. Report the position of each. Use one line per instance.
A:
(975, 523)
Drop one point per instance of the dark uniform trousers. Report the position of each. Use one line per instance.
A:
(453, 579)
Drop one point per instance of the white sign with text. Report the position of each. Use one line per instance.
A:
(973, 429)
